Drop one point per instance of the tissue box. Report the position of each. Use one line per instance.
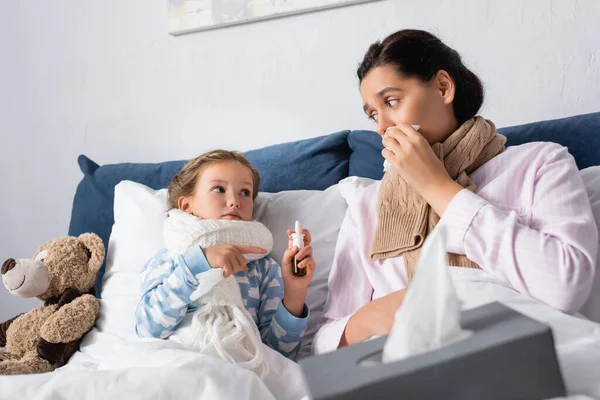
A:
(508, 356)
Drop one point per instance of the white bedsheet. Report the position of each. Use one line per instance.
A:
(109, 367)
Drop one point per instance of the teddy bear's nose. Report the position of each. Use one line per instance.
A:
(8, 265)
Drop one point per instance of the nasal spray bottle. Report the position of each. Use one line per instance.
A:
(386, 165)
(298, 241)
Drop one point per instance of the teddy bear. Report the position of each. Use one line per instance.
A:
(62, 273)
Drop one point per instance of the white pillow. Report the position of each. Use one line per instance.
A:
(137, 235)
(350, 186)
(591, 179)
(322, 213)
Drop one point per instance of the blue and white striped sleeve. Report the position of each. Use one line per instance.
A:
(167, 284)
(280, 330)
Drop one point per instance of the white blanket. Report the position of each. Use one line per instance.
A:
(577, 339)
(109, 367)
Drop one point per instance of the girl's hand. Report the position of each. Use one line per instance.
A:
(413, 158)
(230, 258)
(295, 286)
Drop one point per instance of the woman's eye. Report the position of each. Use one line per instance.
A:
(246, 193)
(373, 117)
(392, 102)
(218, 189)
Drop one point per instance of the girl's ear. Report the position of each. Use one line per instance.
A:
(183, 203)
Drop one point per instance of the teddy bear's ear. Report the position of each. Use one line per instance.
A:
(96, 248)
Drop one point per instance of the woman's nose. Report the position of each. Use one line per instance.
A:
(383, 123)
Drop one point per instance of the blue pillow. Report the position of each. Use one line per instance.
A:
(366, 159)
(311, 164)
(580, 134)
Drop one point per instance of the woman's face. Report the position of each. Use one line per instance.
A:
(389, 98)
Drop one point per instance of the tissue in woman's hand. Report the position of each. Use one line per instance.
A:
(429, 317)
(387, 166)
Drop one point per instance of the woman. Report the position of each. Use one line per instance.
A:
(521, 214)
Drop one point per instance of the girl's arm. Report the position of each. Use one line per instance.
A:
(279, 329)
(167, 284)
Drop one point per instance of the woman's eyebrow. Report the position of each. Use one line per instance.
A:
(382, 93)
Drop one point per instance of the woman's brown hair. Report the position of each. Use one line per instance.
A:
(420, 54)
(184, 183)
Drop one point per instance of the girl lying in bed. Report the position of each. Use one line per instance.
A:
(216, 266)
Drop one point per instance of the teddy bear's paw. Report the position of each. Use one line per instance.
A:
(4, 355)
(71, 321)
(28, 364)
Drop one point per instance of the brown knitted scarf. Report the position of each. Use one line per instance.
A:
(405, 218)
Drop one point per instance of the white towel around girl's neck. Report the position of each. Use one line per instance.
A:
(221, 326)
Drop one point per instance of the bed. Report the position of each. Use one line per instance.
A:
(123, 204)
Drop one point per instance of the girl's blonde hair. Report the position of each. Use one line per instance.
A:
(184, 183)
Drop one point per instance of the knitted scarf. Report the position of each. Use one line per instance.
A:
(405, 218)
(222, 327)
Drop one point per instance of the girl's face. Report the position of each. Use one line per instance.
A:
(223, 191)
(390, 98)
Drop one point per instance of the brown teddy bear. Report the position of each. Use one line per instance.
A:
(62, 274)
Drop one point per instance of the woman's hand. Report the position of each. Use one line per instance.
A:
(230, 258)
(374, 318)
(295, 286)
(412, 157)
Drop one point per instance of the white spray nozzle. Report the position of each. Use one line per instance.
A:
(298, 237)
(298, 242)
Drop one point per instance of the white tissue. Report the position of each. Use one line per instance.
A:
(387, 166)
(429, 317)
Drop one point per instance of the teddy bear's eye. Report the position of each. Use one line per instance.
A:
(42, 256)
